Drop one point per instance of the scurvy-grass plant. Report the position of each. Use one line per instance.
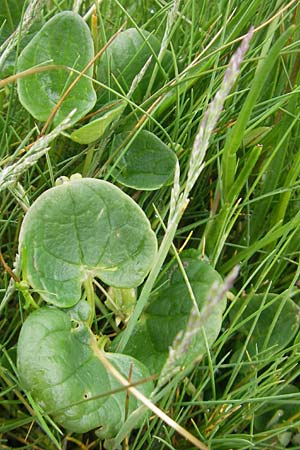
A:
(134, 321)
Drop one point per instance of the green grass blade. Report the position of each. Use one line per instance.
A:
(235, 137)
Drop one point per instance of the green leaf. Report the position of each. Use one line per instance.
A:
(84, 228)
(124, 58)
(277, 322)
(63, 40)
(147, 164)
(168, 313)
(96, 128)
(58, 367)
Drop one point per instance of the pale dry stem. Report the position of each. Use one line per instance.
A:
(144, 400)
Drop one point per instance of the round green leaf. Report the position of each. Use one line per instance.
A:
(96, 128)
(80, 229)
(57, 365)
(63, 40)
(147, 164)
(168, 313)
(124, 58)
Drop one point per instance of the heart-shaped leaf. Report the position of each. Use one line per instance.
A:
(63, 40)
(169, 311)
(124, 58)
(96, 128)
(276, 325)
(147, 164)
(57, 365)
(84, 228)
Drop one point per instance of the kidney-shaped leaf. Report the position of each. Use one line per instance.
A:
(169, 311)
(147, 164)
(83, 228)
(57, 365)
(63, 40)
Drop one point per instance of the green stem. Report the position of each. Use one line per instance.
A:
(107, 314)
(90, 296)
(148, 286)
(23, 287)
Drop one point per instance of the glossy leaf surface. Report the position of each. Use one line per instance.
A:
(63, 40)
(57, 365)
(80, 229)
(147, 164)
(169, 311)
(97, 127)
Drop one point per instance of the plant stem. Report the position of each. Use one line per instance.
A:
(148, 286)
(144, 400)
(90, 295)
